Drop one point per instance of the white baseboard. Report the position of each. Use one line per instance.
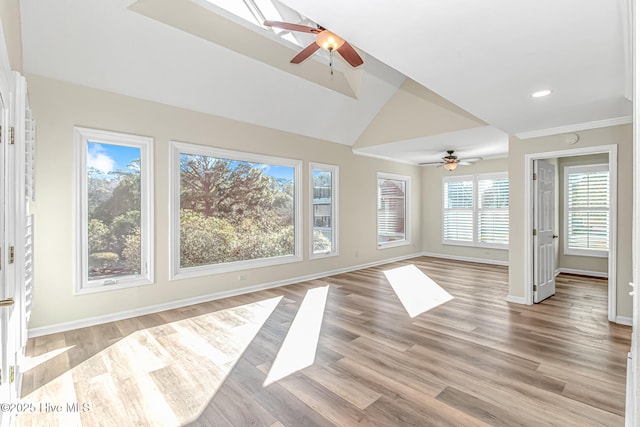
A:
(127, 314)
(582, 272)
(516, 300)
(468, 259)
(622, 320)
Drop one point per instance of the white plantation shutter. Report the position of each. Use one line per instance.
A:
(458, 210)
(493, 210)
(587, 210)
(476, 210)
(30, 156)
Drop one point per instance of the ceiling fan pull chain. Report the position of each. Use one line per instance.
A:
(331, 62)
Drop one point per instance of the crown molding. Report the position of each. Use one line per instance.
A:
(575, 127)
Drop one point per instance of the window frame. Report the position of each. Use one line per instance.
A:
(313, 166)
(475, 209)
(407, 210)
(567, 170)
(176, 149)
(84, 136)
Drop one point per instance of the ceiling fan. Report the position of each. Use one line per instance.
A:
(450, 162)
(325, 39)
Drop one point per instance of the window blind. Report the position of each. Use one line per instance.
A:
(458, 210)
(587, 209)
(493, 210)
(476, 210)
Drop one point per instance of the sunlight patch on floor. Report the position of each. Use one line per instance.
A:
(416, 291)
(32, 362)
(298, 349)
(172, 371)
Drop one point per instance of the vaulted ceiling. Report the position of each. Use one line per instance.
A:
(437, 75)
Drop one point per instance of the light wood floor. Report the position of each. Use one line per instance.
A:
(473, 361)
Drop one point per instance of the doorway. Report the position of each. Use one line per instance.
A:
(611, 152)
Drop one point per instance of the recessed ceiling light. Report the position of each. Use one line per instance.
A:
(541, 93)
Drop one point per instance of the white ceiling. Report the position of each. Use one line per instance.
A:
(484, 56)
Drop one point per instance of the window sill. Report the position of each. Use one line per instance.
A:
(323, 255)
(396, 244)
(210, 270)
(85, 290)
(586, 253)
(476, 245)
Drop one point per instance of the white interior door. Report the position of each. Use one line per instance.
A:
(544, 279)
(5, 260)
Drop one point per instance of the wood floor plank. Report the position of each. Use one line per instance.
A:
(475, 360)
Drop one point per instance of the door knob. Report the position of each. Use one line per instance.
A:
(6, 302)
(555, 236)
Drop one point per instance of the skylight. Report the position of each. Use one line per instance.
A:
(257, 11)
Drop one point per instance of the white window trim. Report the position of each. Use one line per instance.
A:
(82, 137)
(407, 210)
(176, 272)
(475, 209)
(334, 210)
(604, 167)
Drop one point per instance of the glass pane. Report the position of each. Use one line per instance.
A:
(322, 211)
(493, 193)
(391, 210)
(588, 189)
(458, 195)
(113, 206)
(588, 230)
(493, 226)
(236, 7)
(232, 210)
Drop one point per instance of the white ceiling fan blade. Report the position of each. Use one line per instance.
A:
(470, 160)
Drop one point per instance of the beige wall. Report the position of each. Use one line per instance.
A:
(413, 112)
(518, 149)
(10, 14)
(432, 199)
(60, 106)
(582, 263)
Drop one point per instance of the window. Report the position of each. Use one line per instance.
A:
(393, 210)
(232, 210)
(324, 208)
(476, 210)
(115, 210)
(586, 210)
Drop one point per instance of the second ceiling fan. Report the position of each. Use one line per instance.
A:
(325, 39)
(450, 162)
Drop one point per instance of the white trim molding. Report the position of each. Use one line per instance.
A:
(516, 300)
(467, 259)
(624, 320)
(575, 127)
(602, 274)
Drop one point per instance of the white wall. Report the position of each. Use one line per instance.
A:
(60, 106)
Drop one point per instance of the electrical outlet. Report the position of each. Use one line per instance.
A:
(242, 277)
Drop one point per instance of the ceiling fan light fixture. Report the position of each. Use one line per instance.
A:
(329, 41)
(450, 166)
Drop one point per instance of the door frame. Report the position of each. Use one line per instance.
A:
(612, 151)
